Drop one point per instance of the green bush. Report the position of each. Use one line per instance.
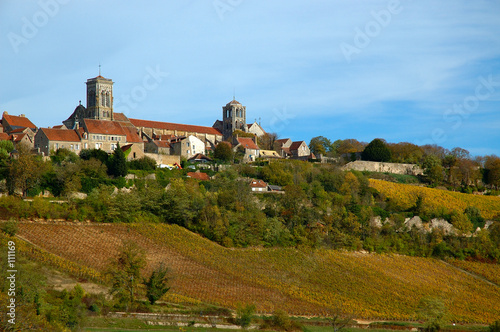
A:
(9, 227)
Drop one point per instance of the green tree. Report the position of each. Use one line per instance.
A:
(125, 273)
(157, 284)
(117, 164)
(25, 172)
(244, 315)
(495, 327)
(433, 311)
(320, 145)
(433, 169)
(376, 150)
(223, 152)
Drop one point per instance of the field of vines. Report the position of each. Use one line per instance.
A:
(301, 282)
(405, 197)
(488, 271)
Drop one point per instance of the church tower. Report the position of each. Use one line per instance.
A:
(100, 98)
(233, 118)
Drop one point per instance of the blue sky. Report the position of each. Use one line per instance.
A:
(425, 72)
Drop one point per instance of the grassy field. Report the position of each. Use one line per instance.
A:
(406, 195)
(301, 282)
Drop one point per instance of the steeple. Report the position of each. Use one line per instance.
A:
(233, 118)
(100, 98)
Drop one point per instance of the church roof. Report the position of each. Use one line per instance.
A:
(105, 127)
(175, 126)
(234, 102)
(18, 121)
(64, 135)
(132, 136)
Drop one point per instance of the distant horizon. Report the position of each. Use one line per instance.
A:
(391, 69)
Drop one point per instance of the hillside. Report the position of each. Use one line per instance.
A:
(435, 199)
(302, 282)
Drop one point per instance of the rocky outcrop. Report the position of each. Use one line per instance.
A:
(374, 166)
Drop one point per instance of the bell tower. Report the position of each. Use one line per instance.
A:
(233, 118)
(100, 98)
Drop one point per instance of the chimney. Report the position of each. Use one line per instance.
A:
(22, 115)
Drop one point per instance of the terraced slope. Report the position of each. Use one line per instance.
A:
(300, 282)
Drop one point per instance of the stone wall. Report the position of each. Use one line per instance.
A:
(164, 159)
(374, 166)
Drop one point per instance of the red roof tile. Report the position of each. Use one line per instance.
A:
(162, 144)
(175, 126)
(296, 145)
(198, 176)
(17, 137)
(65, 135)
(258, 184)
(132, 136)
(105, 127)
(4, 136)
(119, 117)
(247, 143)
(18, 121)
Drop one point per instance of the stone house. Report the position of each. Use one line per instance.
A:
(187, 146)
(282, 146)
(299, 150)
(132, 151)
(49, 139)
(12, 122)
(252, 150)
(104, 135)
(256, 129)
(158, 147)
(258, 186)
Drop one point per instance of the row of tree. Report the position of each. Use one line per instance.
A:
(456, 167)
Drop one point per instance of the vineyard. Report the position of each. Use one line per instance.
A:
(488, 271)
(405, 197)
(301, 282)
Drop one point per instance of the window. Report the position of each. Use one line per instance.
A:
(86, 146)
(71, 147)
(57, 146)
(108, 100)
(77, 147)
(103, 98)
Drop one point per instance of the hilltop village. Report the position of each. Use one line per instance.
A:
(97, 126)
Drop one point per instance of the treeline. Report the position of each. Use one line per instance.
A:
(455, 168)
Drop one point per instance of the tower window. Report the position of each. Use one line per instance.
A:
(108, 100)
(103, 99)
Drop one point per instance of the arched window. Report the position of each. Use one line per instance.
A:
(91, 101)
(108, 100)
(103, 98)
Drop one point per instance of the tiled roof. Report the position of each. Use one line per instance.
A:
(4, 136)
(132, 136)
(282, 141)
(175, 126)
(198, 176)
(234, 102)
(295, 145)
(17, 137)
(18, 121)
(18, 130)
(162, 144)
(269, 153)
(200, 156)
(258, 184)
(105, 127)
(65, 135)
(247, 143)
(119, 117)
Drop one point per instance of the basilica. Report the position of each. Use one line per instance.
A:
(97, 126)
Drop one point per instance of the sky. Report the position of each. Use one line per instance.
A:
(425, 72)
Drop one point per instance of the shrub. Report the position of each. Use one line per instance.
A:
(9, 227)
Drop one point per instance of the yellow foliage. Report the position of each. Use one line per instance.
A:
(406, 195)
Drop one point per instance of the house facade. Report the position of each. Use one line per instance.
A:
(49, 139)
